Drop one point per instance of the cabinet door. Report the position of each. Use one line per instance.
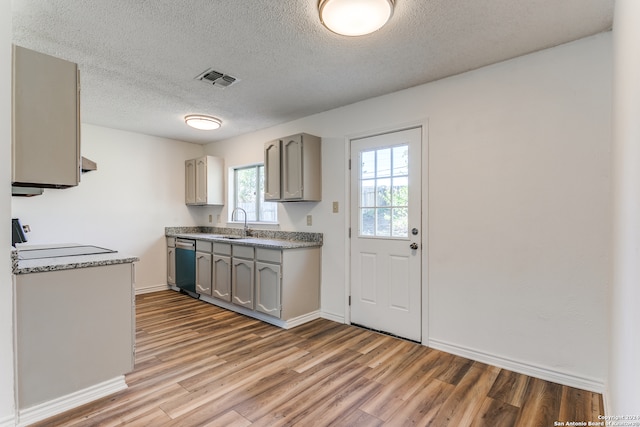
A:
(203, 273)
(221, 286)
(190, 182)
(201, 180)
(171, 265)
(272, 170)
(46, 120)
(268, 288)
(292, 172)
(242, 283)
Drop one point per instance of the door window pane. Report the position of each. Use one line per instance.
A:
(368, 193)
(400, 221)
(401, 160)
(383, 222)
(367, 222)
(383, 162)
(368, 164)
(384, 192)
(400, 191)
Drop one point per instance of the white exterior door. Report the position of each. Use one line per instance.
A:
(385, 233)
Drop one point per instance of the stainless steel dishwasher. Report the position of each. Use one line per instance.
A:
(186, 264)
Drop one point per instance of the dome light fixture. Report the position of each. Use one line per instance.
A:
(355, 17)
(199, 121)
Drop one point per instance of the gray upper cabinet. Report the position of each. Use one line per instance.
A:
(293, 169)
(46, 121)
(204, 181)
(272, 170)
(190, 181)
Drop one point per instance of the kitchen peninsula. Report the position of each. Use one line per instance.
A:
(74, 325)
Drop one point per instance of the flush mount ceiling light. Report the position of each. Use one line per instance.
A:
(198, 121)
(355, 17)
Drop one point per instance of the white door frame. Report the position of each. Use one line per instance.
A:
(424, 285)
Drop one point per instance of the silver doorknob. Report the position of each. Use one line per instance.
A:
(413, 246)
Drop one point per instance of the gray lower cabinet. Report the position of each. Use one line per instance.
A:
(242, 276)
(203, 273)
(221, 286)
(171, 260)
(282, 283)
(269, 281)
(268, 284)
(287, 282)
(204, 267)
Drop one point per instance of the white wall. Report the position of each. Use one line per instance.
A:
(7, 408)
(137, 190)
(624, 371)
(518, 206)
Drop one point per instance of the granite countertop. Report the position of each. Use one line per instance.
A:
(40, 265)
(257, 238)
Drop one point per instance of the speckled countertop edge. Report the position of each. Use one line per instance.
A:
(257, 238)
(67, 263)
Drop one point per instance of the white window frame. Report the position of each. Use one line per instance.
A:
(239, 219)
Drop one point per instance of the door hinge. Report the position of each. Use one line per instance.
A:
(349, 232)
(349, 300)
(349, 164)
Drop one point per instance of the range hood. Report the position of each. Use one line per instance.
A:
(86, 165)
(26, 191)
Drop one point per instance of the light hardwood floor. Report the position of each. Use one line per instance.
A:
(199, 365)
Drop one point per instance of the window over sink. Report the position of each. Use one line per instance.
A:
(248, 194)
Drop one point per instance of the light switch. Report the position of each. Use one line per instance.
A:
(309, 220)
(210, 218)
(335, 207)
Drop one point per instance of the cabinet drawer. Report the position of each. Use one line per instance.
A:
(222, 248)
(269, 255)
(243, 252)
(202, 246)
(171, 242)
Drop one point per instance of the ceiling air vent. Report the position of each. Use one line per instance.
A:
(216, 78)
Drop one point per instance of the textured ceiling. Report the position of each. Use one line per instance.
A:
(138, 59)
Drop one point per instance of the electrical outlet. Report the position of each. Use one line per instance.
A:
(335, 207)
(218, 219)
(309, 220)
(210, 218)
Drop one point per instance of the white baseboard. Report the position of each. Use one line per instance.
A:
(606, 402)
(152, 288)
(285, 324)
(73, 400)
(521, 367)
(333, 317)
(9, 421)
(300, 320)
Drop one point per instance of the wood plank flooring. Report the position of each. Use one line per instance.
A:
(199, 365)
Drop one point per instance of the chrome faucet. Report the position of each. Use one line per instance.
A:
(245, 229)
